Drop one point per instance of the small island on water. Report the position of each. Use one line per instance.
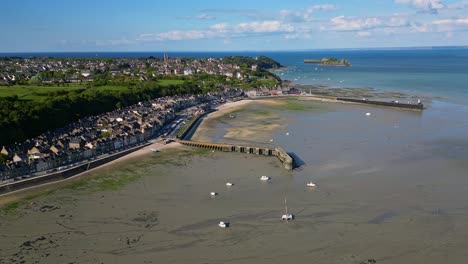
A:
(329, 62)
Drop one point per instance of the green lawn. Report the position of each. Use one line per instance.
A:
(170, 82)
(36, 93)
(27, 91)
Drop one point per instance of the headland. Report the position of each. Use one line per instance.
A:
(329, 62)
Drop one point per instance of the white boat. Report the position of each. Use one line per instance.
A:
(311, 184)
(368, 114)
(265, 178)
(271, 140)
(155, 150)
(213, 193)
(286, 216)
(229, 184)
(287, 133)
(223, 224)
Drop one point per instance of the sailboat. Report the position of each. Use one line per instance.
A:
(286, 216)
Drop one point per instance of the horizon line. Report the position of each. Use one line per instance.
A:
(220, 51)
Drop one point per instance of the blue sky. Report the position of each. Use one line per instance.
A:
(218, 25)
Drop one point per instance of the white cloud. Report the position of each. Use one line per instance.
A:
(343, 23)
(298, 36)
(303, 16)
(174, 35)
(457, 21)
(222, 27)
(429, 6)
(321, 7)
(294, 16)
(262, 27)
(222, 30)
(418, 27)
(459, 5)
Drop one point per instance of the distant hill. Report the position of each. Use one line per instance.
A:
(262, 62)
(329, 62)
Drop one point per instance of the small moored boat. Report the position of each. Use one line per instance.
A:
(213, 193)
(223, 224)
(229, 184)
(311, 184)
(286, 216)
(265, 178)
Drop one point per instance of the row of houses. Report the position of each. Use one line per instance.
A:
(269, 92)
(94, 136)
(13, 70)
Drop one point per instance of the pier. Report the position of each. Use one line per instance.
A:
(282, 155)
(415, 106)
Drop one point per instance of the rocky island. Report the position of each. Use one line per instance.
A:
(329, 62)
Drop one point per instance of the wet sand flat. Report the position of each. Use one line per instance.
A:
(391, 187)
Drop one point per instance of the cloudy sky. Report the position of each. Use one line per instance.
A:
(217, 25)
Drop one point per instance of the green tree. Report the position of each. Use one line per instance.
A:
(3, 158)
(35, 80)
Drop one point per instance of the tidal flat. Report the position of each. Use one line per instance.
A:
(390, 187)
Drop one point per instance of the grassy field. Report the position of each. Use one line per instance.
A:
(36, 93)
(170, 82)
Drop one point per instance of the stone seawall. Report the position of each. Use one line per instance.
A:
(282, 155)
(382, 103)
(285, 158)
(51, 177)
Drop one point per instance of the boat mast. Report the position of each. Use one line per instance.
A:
(285, 205)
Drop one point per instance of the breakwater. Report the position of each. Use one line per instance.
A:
(64, 174)
(282, 155)
(416, 106)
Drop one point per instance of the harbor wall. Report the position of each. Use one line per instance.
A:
(285, 158)
(282, 155)
(382, 103)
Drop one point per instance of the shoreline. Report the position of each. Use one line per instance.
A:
(154, 146)
(22, 193)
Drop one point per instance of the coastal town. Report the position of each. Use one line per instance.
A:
(177, 87)
(55, 71)
(92, 137)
